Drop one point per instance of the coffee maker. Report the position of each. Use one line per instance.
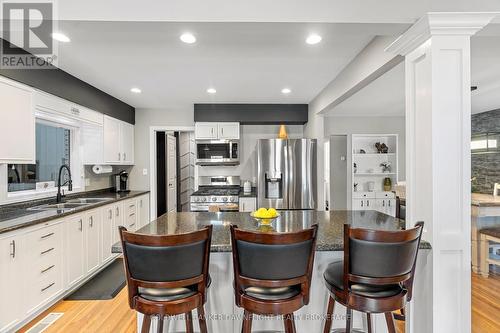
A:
(120, 182)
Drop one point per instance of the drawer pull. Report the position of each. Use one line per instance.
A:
(81, 225)
(132, 214)
(132, 225)
(131, 206)
(91, 222)
(110, 214)
(47, 269)
(117, 211)
(47, 235)
(13, 249)
(47, 251)
(50, 285)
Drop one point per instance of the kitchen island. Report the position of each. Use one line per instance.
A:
(223, 315)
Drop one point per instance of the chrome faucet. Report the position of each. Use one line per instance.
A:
(69, 182)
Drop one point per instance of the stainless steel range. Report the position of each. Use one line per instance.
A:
(216, 193)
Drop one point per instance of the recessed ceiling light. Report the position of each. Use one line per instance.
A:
(188, 38)
(211, 90)
(136, 90)
(285, 91)
(60, 37)
(313, 39)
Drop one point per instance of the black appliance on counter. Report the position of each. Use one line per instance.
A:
(120, 182)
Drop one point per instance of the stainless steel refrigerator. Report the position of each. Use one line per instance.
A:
(286, 171)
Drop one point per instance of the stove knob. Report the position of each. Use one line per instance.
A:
(204, 199)
(233, 199)
(214, 199)
(224, 199)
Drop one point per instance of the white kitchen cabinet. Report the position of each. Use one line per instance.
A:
(119, 220)
(127, 141)
(107, 233)
(11, 281)
(92, 142)
(248, 204)
(17, 123)
(130, 210)
(75, 250)
(44, 271)
(112, 138)
(382, 201)
(229, 131)
(206, 131)
(92, 230)
(143, 211)
(118, 142)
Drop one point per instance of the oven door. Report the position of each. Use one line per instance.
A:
(217, 153)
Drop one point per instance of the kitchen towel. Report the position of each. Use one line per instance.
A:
(102, 169)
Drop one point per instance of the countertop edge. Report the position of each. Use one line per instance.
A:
(133, 194)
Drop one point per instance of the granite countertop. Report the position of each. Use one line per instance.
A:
(252, 194)
(484, 200)
(18, 216)
(330, 233)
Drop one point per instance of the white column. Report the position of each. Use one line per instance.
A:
(438, 108)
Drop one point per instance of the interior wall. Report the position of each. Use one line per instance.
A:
(372, 125)
(182, 115)
(249, 134)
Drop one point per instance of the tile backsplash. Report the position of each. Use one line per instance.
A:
(485, 167)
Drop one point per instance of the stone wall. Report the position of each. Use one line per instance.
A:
(485, 167)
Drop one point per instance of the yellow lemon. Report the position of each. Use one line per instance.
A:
(272, 212)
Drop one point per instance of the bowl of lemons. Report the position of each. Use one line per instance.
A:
(265, 215)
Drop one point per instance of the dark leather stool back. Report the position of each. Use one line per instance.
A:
(380, 257)
(272, 259)
(169, 261)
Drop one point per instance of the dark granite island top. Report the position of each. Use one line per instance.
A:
(330, 232)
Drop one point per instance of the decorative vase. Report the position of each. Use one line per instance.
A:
(282, 133)
(387, 184)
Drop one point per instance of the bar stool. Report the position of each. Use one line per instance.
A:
(272, 273)
(167, 275)
(376, 275)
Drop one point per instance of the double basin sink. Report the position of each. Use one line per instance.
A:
(70, 204)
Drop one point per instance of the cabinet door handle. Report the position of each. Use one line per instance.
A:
(47, 235)
(222, 131)
(47, 251)
(361, 203)
(367, 203)
(389, 203)
(383, 203)
(47, 269)
(140, 203)
(81, 225)
(117, 211)
(124, 156)
(119, 156)
(13, 249)
(50, 285)
(91, 221)
(110, 214)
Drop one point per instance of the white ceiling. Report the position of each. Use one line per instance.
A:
(245, 62)
(386, 95)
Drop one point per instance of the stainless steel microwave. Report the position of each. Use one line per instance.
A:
(217, 152)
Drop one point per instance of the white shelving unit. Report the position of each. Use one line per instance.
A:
(368, 174)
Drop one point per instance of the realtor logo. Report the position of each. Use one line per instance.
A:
(27, 35)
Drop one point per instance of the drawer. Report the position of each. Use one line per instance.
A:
(362, 195)
(386, 194)
(129, 207)
(43, 239)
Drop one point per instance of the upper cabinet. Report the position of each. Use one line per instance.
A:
(217, 131)
(118, 142)
(17, 123)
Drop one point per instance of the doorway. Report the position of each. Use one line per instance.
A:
(173, 172)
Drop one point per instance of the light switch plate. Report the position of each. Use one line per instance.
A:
(144, 172)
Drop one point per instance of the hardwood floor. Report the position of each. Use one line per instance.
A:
(486, 303)
(115, 316)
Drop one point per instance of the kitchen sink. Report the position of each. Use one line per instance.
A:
(89, 200)
(60, 206)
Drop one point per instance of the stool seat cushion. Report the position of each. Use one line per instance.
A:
(272, 294)
(334, 278)
(165, 294)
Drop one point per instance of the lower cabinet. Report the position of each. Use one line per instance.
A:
(75, 250)
(11, 268)
(42, 263)
(92, 231)
(248, 204)
(384, 202)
